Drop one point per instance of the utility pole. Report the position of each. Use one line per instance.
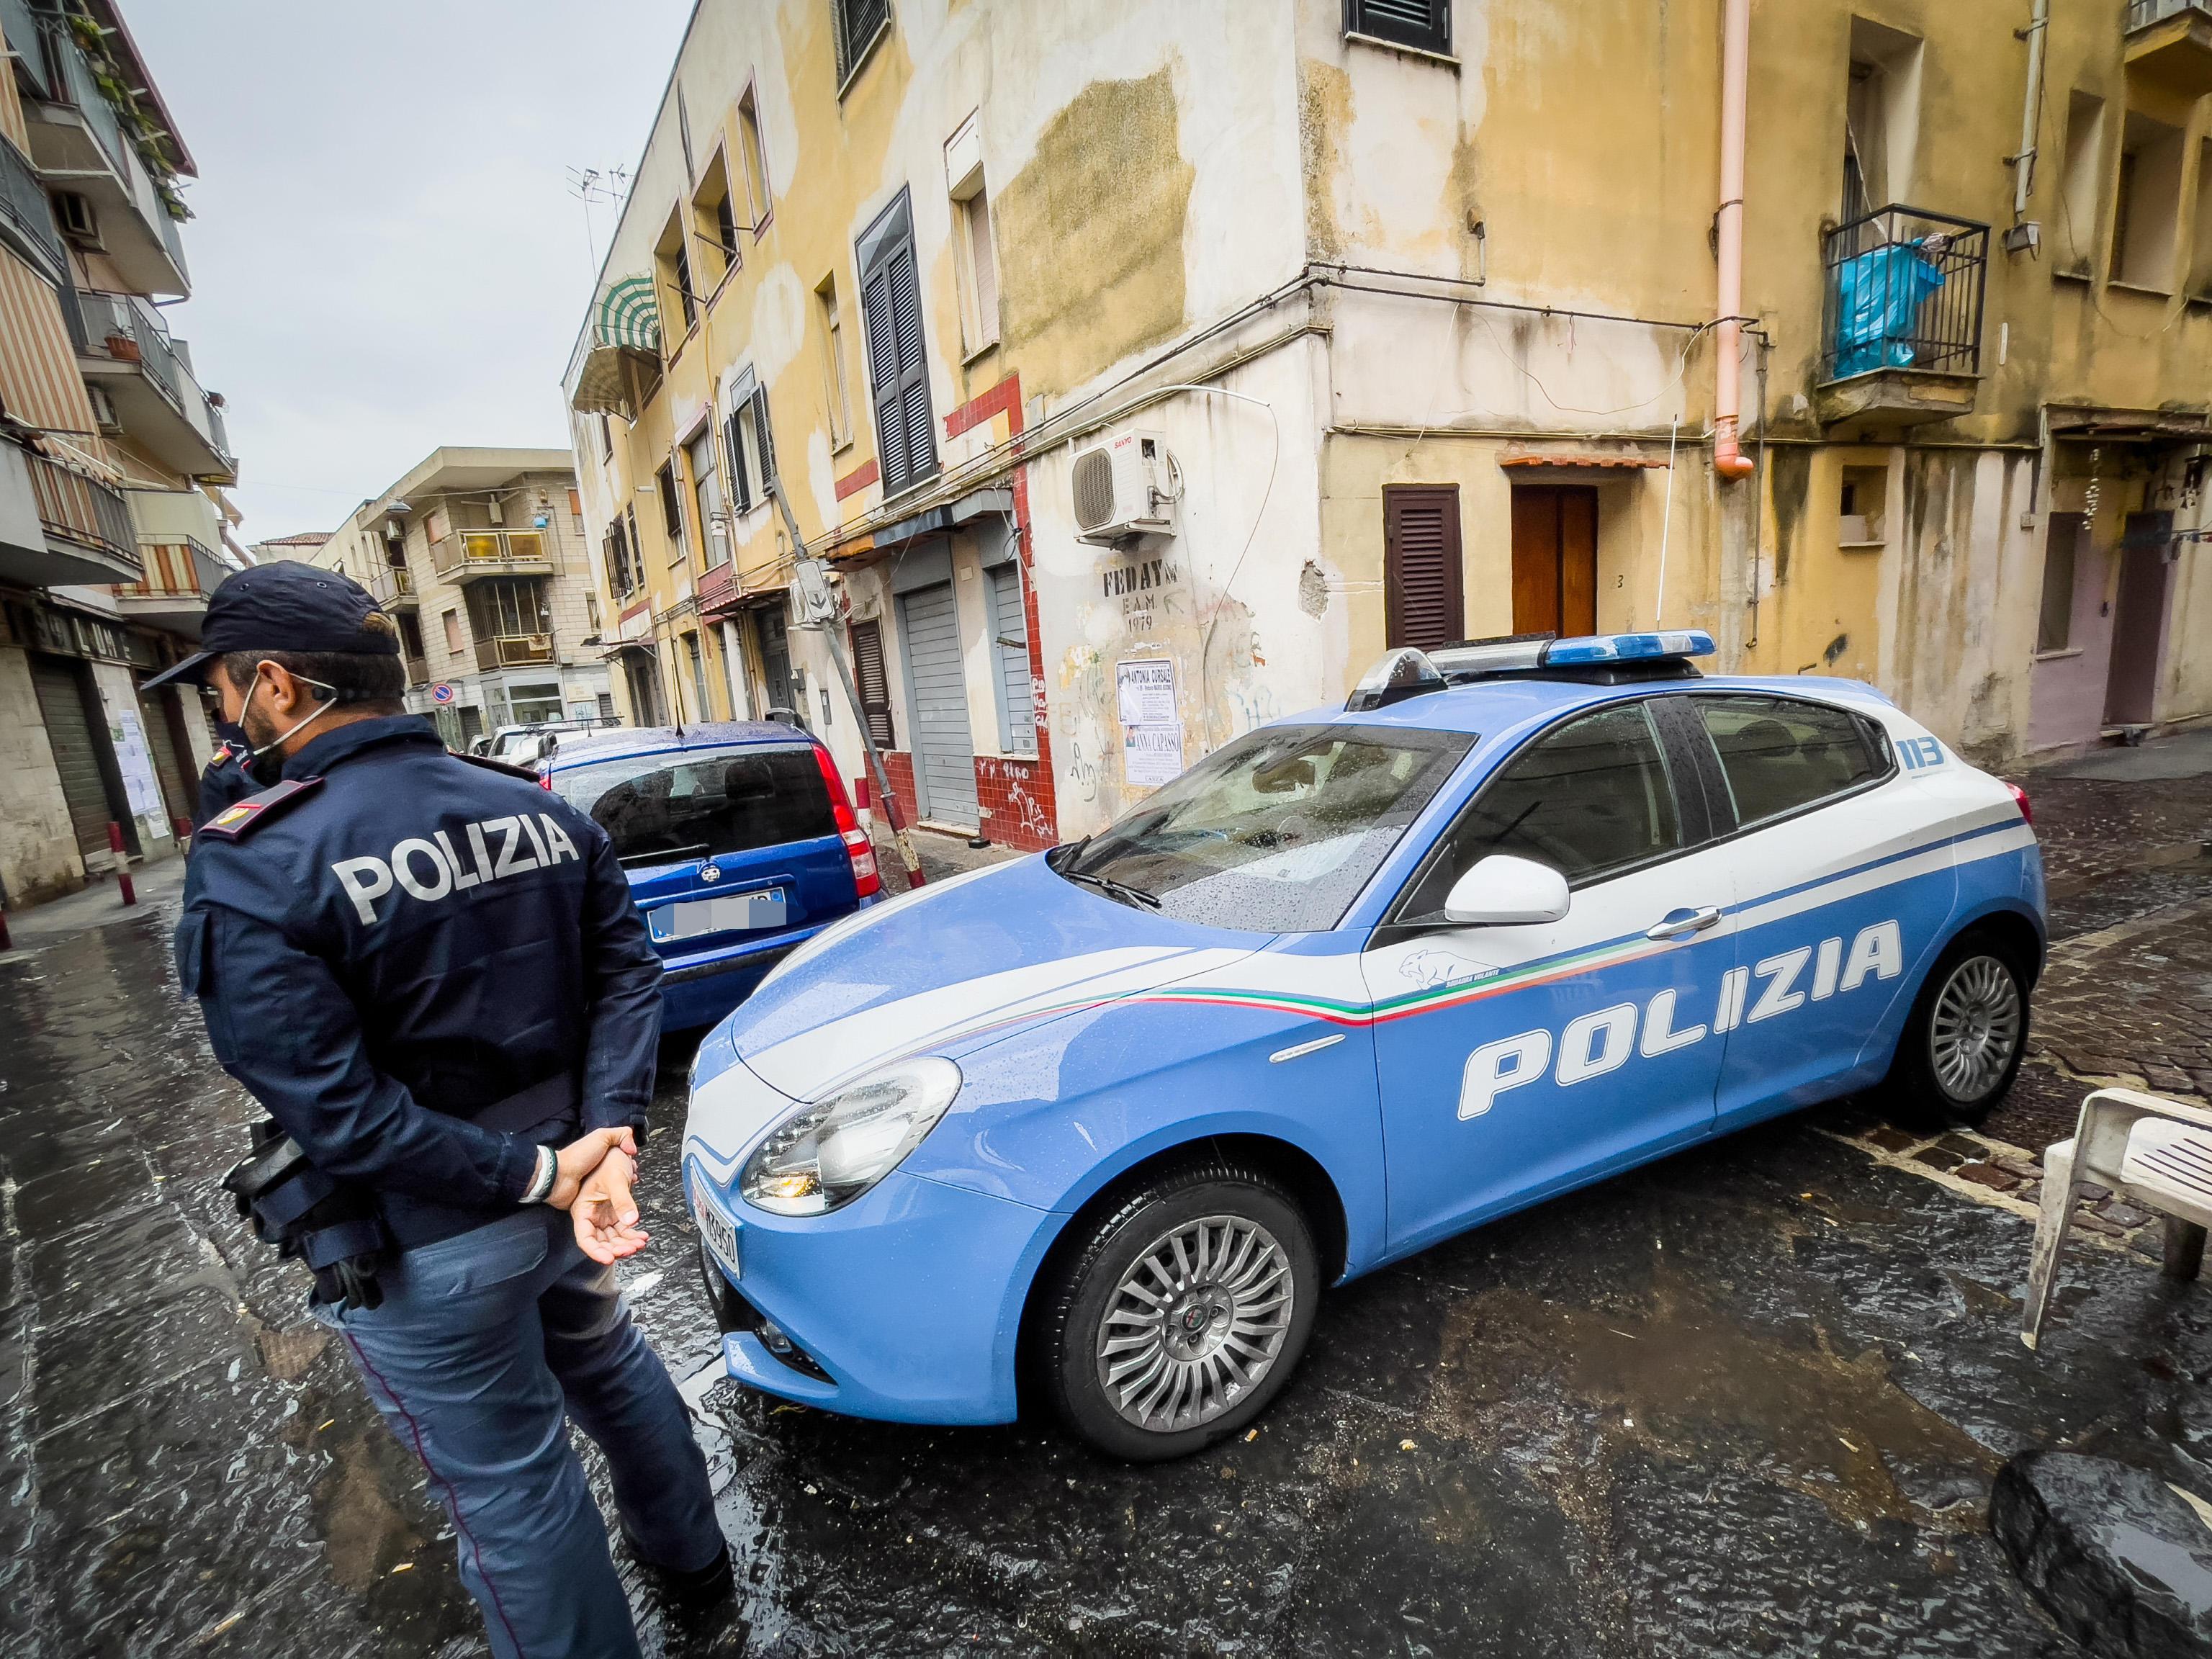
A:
(907, 854)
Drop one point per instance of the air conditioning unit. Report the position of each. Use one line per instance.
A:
(73, 213)
(1125, 489)
(103, 408)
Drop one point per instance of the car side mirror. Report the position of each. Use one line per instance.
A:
(1502, 891)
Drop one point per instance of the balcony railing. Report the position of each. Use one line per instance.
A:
(27, 223)
(393, 585)
(512, 650)
(2142, 14)
(467, 554)
(74, 506)
(1903, 295)
(181, 570)
(123, 328)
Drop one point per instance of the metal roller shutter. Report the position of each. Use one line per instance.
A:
(77, 757)
(943, 743)
(174, 770)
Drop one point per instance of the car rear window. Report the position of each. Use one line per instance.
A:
(1279, 831)
(668, 809)
(1779, 755)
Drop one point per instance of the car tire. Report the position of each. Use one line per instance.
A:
(1964, 1040)
(1215, 1246)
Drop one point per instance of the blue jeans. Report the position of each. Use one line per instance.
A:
(481, 1341)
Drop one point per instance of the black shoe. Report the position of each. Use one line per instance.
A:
(694, 1591)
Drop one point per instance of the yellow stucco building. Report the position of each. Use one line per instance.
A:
(1142, 370)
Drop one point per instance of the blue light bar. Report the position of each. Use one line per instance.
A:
(1629, 647)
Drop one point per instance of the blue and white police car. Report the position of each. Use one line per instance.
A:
(1519, 916)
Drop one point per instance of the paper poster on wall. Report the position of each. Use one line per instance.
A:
(1146, 689)
(136, 762)
(1151, 755)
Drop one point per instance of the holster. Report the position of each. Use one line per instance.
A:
(334, 1228)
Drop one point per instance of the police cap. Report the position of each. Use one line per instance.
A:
(285, 606)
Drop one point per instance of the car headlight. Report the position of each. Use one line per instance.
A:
(828, 1154)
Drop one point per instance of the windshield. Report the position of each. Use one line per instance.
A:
(1278, 832)
(666, 809)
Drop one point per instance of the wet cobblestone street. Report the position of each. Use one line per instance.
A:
(1749, 1399)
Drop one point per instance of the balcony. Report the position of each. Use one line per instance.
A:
(1901, 330)
(79, 145)
(173, 592)
(393, 588)
(418, 669)
(513, 651)
(2170, 41)
(60, 527)
(467, 555)
(147, 376)
(27, 223)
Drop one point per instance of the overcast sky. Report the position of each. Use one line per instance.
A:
(385, 252)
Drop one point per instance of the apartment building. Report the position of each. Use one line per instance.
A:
(479, 555)
(1142, 372)
(114, 524)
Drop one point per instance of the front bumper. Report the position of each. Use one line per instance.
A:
(909, 1298)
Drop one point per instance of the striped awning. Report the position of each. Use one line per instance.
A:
(627, 326)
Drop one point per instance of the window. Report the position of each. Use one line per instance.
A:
(1779, 755)
(707, 500)
(834, 391)
(2061, 542)
(2146, 204)
(2200, 262)
(723, 802)
(713, 223)
(591, 613)
(673, 257)
(452, 622)
(606, 439)
(1423, 23)
(734, 434)
(635, 548)
(2080, 185)
(1279, 831)
(978, 265)
(511, 609)
(1881, 117)
(859, 24)
(671, 511)
(898, 366)
(872, 684)
(410, 633)
(1421, 600)
(701, 708)
(1859, 515)
(753, 160)
(1588, 799)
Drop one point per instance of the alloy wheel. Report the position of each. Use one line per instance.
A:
(1197, 1320)
(1975, 1029)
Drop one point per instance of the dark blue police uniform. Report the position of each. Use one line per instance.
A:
(426, 968)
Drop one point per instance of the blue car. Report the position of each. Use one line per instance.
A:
(739, 841)
(1094, 1129)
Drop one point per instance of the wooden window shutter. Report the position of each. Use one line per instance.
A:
(762, 440)
(872, 684)
(1422, 604)
(898, 360)
(741, 488)
(884, 378)
(1423, 23)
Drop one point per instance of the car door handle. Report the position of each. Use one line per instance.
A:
(1680, 923)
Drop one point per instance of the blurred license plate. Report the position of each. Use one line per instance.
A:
(721, 1233)
(729, 913)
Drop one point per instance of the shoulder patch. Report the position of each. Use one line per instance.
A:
(491, 765)
(223, 754)
(237, 821)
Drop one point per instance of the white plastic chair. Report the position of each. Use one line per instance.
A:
(2154, 1152)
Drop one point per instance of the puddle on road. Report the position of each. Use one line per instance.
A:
(1685, 1382)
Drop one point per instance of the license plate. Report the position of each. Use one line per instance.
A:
(726, 912)
(719, 1232)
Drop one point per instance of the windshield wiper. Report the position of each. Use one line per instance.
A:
(1113, 888)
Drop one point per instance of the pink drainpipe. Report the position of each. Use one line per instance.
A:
(1728, 458)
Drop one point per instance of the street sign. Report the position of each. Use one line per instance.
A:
(443, 692)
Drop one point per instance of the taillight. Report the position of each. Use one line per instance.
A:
(858, 846)
(545, 781)
(2020, 800)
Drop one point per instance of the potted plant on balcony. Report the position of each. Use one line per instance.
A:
(123, 348)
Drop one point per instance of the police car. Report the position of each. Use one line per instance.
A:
(739, 841)
(1095, 1127)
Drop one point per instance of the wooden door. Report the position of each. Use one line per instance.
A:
(872, 684)
(2138, 619)
(1422, 602)
(1555, 559)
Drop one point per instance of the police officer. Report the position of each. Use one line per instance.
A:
(429, 971)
